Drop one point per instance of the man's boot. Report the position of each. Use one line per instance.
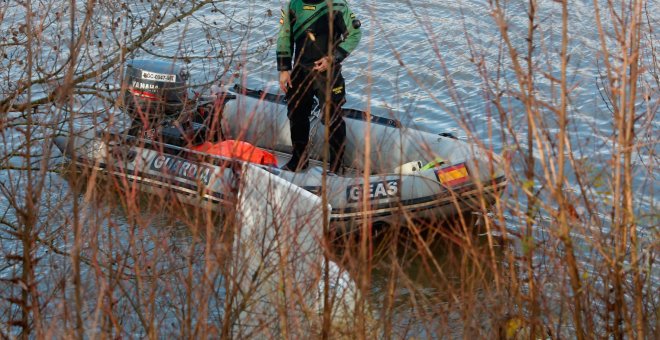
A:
(337, 143)
(336, 159)
(299, 160)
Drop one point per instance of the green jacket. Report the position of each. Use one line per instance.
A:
(305, 32)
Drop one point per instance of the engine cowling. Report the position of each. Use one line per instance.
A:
(154, 90)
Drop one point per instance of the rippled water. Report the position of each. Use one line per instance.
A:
(416, 62)
(410, 48)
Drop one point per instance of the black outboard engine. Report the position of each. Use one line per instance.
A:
(155, 90)
(156, 98)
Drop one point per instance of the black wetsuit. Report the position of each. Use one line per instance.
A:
(308, 35)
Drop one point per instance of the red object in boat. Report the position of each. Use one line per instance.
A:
(238, 150)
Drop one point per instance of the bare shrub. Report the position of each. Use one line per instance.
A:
(568, 250)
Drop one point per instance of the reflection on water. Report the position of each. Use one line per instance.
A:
(148, 252)
(426, 279)
(421, 280)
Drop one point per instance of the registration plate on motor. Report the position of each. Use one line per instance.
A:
(169, 78)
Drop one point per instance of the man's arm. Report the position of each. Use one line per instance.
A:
(284, 49)
(351, 36)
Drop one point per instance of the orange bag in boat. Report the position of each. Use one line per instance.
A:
(238, 150)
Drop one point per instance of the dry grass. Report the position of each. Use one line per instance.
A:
(568, 251)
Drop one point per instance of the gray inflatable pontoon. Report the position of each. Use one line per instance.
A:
(413, 174)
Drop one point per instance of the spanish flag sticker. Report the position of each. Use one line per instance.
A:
(452, 175)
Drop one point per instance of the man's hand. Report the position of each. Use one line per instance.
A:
(285, 80)
(322, 64)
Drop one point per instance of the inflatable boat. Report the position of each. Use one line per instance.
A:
(392, 173)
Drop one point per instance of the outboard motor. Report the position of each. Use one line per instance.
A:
(155, 90)
(155, 97)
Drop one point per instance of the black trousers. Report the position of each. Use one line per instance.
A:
(307, 84)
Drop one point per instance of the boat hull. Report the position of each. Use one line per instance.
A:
(465, 179)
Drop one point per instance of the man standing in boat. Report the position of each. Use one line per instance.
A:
(317, 35)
